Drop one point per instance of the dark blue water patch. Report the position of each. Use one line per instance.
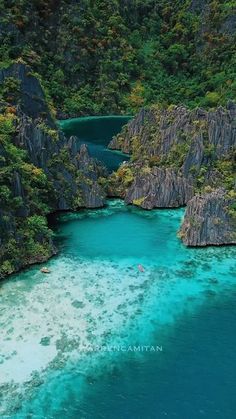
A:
(194, 377)
(95, 128)
(96, 132)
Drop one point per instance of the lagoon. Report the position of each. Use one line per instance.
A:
(95, 296)
(96, 132)
(55, 329)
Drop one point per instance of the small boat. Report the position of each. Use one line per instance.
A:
(45, 270)
(141, 268)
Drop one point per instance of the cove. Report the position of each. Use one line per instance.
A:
(96, 132)
(53, 326)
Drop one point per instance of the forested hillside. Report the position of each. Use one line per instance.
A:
(114, 56)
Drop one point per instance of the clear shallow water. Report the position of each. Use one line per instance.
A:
(184, 303)
(97, 132)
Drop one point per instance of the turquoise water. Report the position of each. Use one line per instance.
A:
(68, 338)
(97, 132)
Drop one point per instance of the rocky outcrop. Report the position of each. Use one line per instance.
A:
(177, 130)
(209, 220)
(41, 171)
(92, 194)
(134, 128)
(68, 166)
(32, 98)
(193, 142)
(56, 174)
(161, 188)
(174, 154)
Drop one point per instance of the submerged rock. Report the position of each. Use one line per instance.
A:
(78, 304)
(45, 341)
(208, 220)
(45, 270)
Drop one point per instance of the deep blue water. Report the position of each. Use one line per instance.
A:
(195, 376)
(97, 132)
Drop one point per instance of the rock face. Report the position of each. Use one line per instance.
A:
(123, 141)
(176, 153)
(191, 142)
(41, 171)
(190, 138)
(93, 195)
(208, 220)
(63, 161)
(161, 188)
(32, 98)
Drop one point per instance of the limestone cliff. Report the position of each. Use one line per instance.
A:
(208, 220)
(41, 171)
(161, 188)
(68, 166)
(176, 153)
(28, 92)
(179, 137)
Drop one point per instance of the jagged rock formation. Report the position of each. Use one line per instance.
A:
(30, 92)
(92, 194)
(191, 141)
(176, 153)
(134, 128)
(63, 161)
(41, 171)
(161, 188)
(156, 133)
(208, 220)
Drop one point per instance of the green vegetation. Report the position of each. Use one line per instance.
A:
(32, 243)
(10, 90)
(125, 173)
(177, 155)
(49, 131)
(114, 56)
(139, 201)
